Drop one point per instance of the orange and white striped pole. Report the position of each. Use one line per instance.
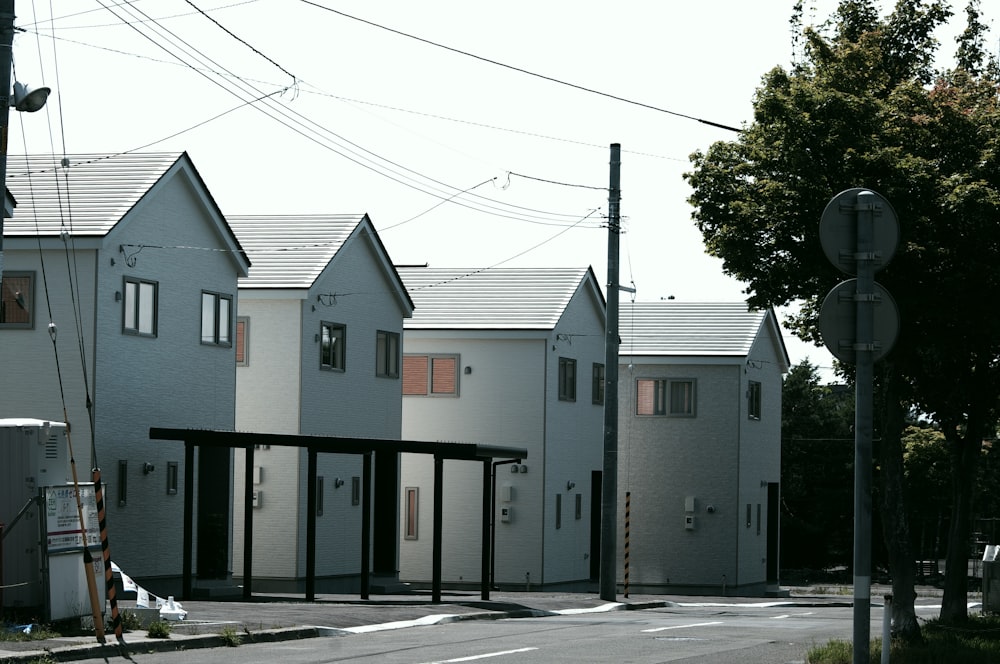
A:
(109, 578)
(628, 508)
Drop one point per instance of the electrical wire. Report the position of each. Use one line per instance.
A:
(317, 133)
(519, 69)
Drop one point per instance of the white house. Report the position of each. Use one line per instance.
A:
(318, 352)
(119, 292)
(505, 356)
(699, 451)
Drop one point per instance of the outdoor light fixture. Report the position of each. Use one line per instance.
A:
(570, 484)
(28, 99)
(337, 483)
(147, 468)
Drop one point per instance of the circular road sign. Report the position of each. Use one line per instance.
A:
(838, 229)
(838, 321)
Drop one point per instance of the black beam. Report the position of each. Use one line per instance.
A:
(311, 528)
(336, 444)
(366, 525)
(438, 529)
(485, 550)
(187, 584)
(248, 525)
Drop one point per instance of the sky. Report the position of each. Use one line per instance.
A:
(473, 134)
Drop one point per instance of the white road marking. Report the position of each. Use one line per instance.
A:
(704, 624)
(472, 658)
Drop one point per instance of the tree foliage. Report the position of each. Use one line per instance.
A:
(863, 107)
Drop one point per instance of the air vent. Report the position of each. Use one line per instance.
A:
(52, 447)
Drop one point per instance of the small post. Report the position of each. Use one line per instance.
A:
(886, 629)
(628, 509)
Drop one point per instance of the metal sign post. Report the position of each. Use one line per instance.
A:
(859, 323)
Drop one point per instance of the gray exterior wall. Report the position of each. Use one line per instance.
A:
(718, 462)
(136, 383)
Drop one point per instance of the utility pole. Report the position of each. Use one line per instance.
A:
(609, 483)
(6, 65)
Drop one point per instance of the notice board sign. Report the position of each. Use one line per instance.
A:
(63, 531)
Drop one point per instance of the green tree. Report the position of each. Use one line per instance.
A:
(817, 455)
(863, 107)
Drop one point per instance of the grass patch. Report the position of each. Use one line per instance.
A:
(975, 642)
(159, 630)
(33, 633)
(230, 636)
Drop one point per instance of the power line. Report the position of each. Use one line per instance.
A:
(521, 70)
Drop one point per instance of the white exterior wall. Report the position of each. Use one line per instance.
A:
(663, 461)
(760, 457)
(283, 390)
(267, 401)
(501, 402)
(510, 398)
(574, 441)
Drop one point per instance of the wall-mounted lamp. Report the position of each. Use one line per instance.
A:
(147, 468)
(337, 483)
(468, 370)
(570, 484)
(513, 468)
(118, 296)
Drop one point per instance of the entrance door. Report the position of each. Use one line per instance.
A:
(595, 525)
(214, 482)
(385, 518)
(773, 496)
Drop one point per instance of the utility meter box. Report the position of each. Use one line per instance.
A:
(33, 454)
(991, 579)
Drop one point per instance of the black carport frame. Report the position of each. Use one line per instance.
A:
(316, 445)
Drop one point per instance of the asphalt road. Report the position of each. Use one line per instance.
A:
(690, 632)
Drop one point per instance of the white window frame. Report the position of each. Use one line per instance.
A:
(140, 306)
(664, 402)
(216, 319)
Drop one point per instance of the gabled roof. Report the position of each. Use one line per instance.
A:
(671, 328)
(89, 194)
(96, 189)
(292, 251)
(492, 298)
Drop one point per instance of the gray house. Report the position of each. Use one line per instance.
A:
(506, 356)
(318, 352)
(119, 293)
(699, 451)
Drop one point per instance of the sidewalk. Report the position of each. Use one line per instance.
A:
(282, 618)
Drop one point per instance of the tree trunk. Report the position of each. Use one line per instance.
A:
(895, 523)
(964, 452)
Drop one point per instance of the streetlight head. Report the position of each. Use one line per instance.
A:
(29, 99)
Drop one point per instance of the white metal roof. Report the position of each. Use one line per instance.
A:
(491, 298)
(677, 328)
(290, 251)
(88, 197)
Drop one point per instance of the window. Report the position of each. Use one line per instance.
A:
(122, 482)
(558, 511)
(171, 478)
(319, 495)
(242, 341)
(753, 400)
(567, 379)
(17, 295)
(597, 386)
(387, 354)
(430, 375)
(579, 506)
(332, 336)
(411, 493)
(216, 319)
(355, 490)
(140, 307)
(665, 397)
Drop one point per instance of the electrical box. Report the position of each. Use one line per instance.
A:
(258, 498)
(689, 504)
(257, 474)
(506, 514)
(689, 522)
(33, 454)
(506, 493)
